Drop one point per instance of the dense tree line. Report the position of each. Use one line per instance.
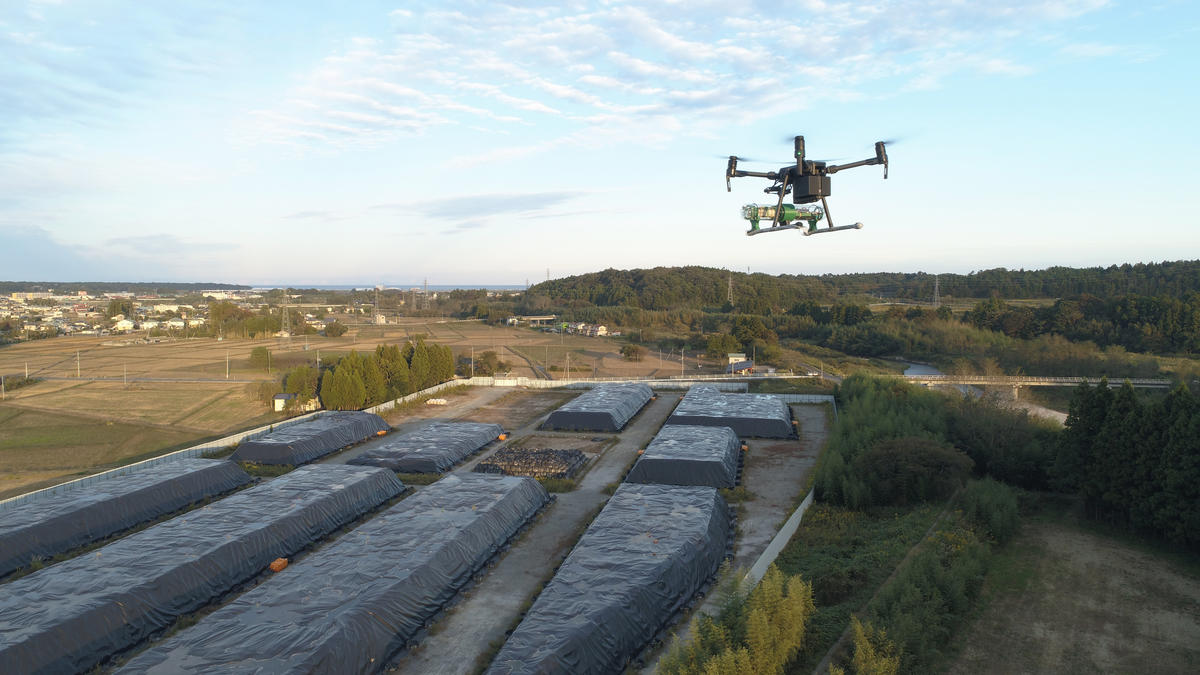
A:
(896, 444)
(356, 380)
(664, 288)
(1136, 464)
(1137, 322)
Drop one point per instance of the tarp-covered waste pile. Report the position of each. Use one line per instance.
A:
(749, 415)
(684, 454)
(72, 616)
(606, 407)
(535, 462)
(431, 449)
(302, 442)
(350, 606)
(62, 521)
(645, 556)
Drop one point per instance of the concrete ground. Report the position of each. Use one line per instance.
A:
(483, 613)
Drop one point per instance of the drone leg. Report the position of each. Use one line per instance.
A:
(828, 215)
(779, 205)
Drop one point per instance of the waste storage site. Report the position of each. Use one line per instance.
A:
(338, 566)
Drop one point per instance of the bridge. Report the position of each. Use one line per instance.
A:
(1018, 381)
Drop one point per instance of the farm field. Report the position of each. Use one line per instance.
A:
(1068, 599)
(67, 426)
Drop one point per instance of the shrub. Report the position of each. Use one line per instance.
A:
(992, 506)
(907, 470)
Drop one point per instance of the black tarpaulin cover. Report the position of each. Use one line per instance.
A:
(305, 441)
(350, 606)
(689, 455)
(752, 415)
(59, 522)
(606, 407)
(431, 449)
(72, 616)
(645, 555)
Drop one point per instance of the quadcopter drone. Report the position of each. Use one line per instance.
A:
(808, 181)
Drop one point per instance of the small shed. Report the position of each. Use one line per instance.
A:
(282, 400)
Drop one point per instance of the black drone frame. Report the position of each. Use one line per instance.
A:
(808, 180)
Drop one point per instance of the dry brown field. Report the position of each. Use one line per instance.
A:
(1067, 599)
(67, 426)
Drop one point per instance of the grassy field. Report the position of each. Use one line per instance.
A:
(1069, 596)
(41, 448)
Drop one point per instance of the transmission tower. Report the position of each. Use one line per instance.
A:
(937, 291)
(729, 296)
(425, 296)
(285, 323)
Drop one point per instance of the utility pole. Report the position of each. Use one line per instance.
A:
(227, 364)
(76, 363)
(125, 374)
(472, 360)
(2, 392)
(681, 361)
(568, 365)
(268, 361)
(27, 370)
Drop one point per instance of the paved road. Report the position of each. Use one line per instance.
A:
(493, 605)
(190, 380)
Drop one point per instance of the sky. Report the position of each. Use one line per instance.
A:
(481, 142)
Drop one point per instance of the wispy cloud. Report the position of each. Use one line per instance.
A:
(645, 70)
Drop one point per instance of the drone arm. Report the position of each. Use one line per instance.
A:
(879, 158)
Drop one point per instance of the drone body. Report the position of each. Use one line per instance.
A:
(808, 181)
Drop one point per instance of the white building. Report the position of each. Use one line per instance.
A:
(123, 325)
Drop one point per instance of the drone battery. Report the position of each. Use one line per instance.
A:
(809, 188)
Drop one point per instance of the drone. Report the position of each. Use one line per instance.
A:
(808, 181)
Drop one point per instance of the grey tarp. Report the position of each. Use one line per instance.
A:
(350, 606)
(647, 554)
(61, 521)
(606, 407)
(305, 441)
(752, 415)
(74, 615)
(431, 449)
(689, 455)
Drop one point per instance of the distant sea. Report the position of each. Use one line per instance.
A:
(404, 287)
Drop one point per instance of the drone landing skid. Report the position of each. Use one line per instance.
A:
(778, 228)
(804, 228)
(839, 228)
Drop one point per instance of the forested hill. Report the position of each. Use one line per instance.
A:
(704, 287)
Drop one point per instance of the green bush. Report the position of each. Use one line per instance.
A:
(992, 506)
(901, 471)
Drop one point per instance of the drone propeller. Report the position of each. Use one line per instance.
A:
(754, 160)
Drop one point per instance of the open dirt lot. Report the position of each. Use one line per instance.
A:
(1078, 602)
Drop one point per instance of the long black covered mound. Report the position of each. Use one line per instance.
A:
(689, 455)
(753, 415)
(431, 449)
(60, 522)
(645, 555)
(305, 441)
(351, 605)
(604, 408)
(74, 615)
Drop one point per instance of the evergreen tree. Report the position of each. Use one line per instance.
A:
(1110, 473)
(374, 384)
(420, 369)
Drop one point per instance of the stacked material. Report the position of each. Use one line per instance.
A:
(535, 462)
(689, 455)
(606, 407)
(350, 606)
(305, 441)
(72, 616)
(645, 556)
(432, 449)
(749, 415)
(65, 520)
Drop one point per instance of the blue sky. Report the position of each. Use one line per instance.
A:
(474, 142)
